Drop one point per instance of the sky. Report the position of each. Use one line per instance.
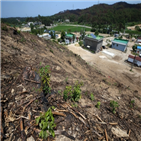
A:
(34, 8)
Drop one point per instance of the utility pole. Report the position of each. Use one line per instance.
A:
(133, 63)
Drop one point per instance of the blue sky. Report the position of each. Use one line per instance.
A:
(47, 8)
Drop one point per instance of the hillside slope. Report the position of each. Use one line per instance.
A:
(103, 13)
(26, 50)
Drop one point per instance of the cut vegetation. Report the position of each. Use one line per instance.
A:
(38, 75)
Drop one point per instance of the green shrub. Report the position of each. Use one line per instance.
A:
(132, 102)
(46, 123)
(76, 94)
(80, 43)
(114, 105)
(51, 50)
(98, 105)
(59, 40)
(96, 33)
(67, 92)
(92, 97)
(44, 73)
(73, 93)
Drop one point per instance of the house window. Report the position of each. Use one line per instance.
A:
(113, 44)
(117, 45)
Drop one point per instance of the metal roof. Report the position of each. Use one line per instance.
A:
(138, 47)
(136, 58)
(120, 41)
(93, 35)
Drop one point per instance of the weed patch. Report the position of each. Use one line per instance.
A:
(114, 105)
(51, 50)
(46, 123)
(132, 103)
(98, 105)
(92, 97)
(44, 73)
(73, 93)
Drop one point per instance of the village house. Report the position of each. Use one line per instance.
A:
(29, 23)
(136, 60)
(67, 20)
(37, 23)
(93, 42)
(138, 40)
(119, 44)
(138, 50)
(69, 38)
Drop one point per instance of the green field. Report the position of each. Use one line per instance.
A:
(72, 28)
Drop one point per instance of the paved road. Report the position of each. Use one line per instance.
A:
(77, 25)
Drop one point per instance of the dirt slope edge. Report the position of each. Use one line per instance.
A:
(26, 50)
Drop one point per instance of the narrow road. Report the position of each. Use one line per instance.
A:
(77, 25)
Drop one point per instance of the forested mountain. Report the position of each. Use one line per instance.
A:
(103, 13)
(99, 16)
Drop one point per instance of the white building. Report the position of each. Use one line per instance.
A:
(30, 23)
(135, 60)
(67, 20)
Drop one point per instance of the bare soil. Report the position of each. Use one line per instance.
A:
(21, 55)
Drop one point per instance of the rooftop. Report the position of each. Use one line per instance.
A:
(121, 41)
(136, 58)
(69, 35)
(138, 47)
(95, 37)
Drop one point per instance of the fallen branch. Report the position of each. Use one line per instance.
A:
(59, 120)
(97, 117)
(78, 117)
(106, 135)
(31, 81)
(77, 112)
(90, 129)
(19, 106)
(129, 132)
(2, 132)
(28, 103)
(96, 133)
(86, 139)
(23, 135)
(57, 132)
(113, 123)
(100, 138)
(59, 114)
(73, 115)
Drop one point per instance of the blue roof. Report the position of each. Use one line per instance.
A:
(51, 30)
(93, 35)
(138, 47)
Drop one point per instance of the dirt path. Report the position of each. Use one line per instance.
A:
(113, 66)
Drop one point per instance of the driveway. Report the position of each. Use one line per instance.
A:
(112, 66)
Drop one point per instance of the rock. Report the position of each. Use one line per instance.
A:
(12, 91)
(24, 90)
(58, 68)
(119, 133)
(19, 139)
(30, 139)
